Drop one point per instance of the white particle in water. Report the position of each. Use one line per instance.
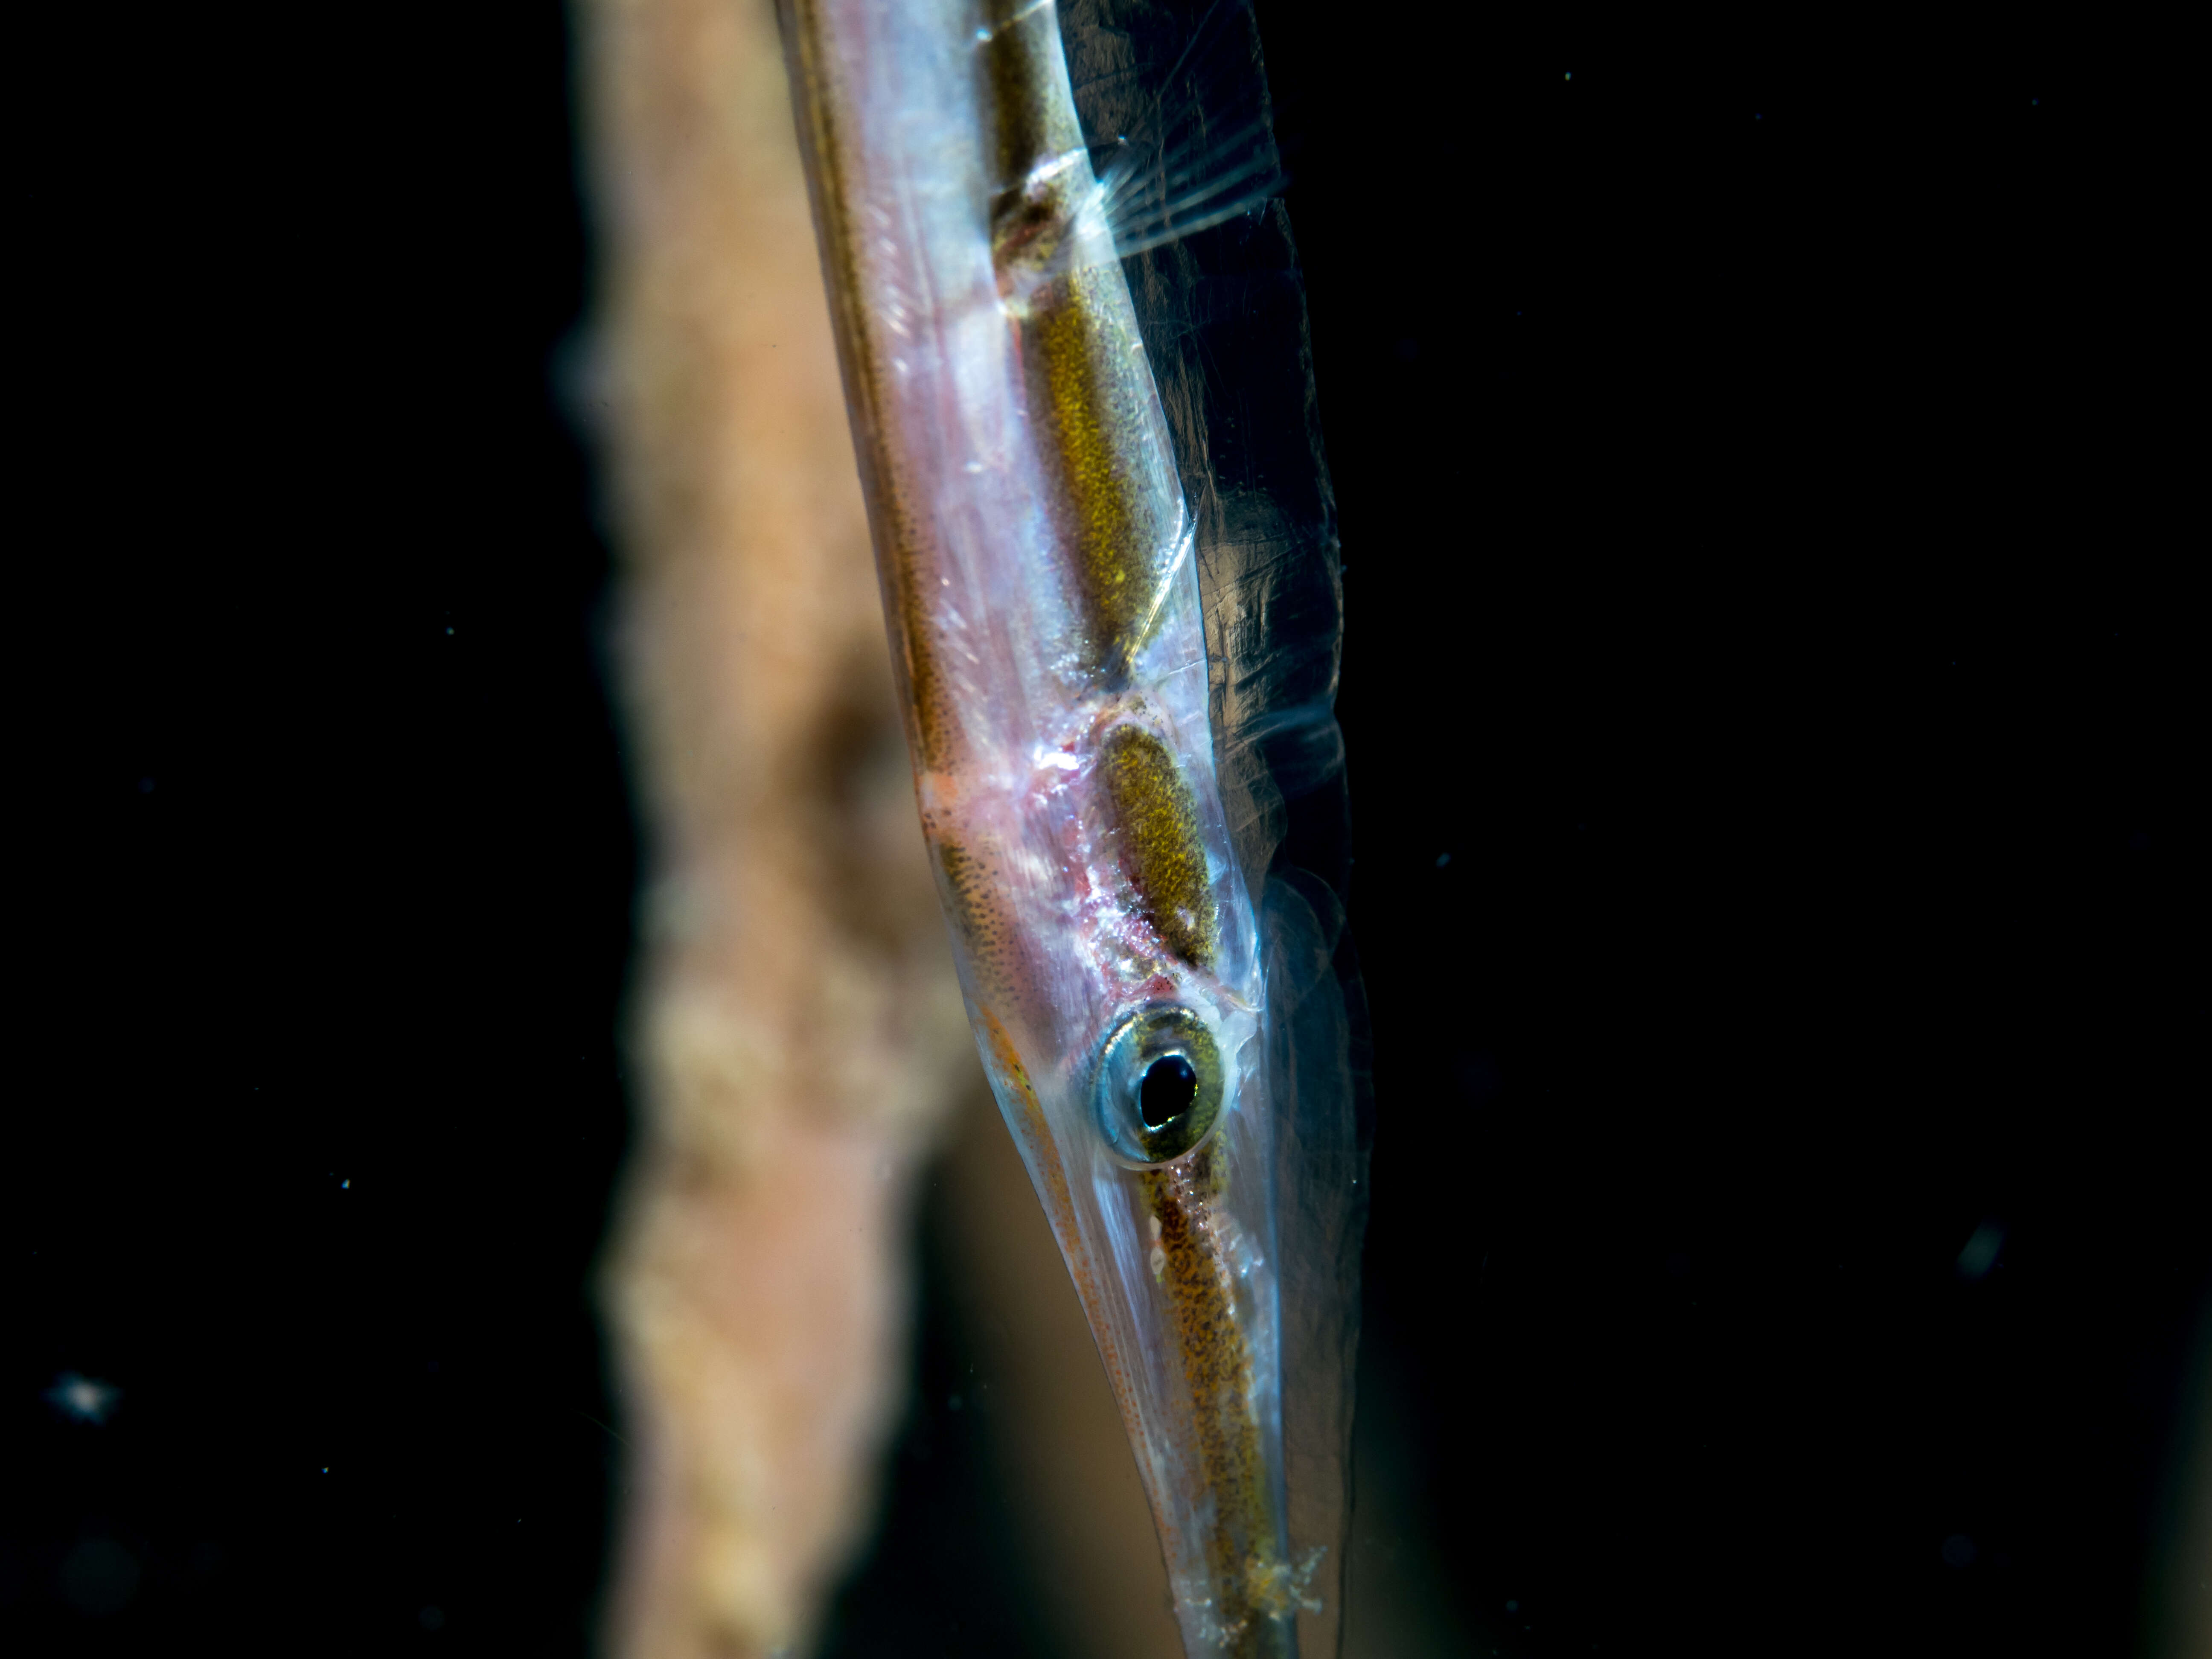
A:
(83, 1399)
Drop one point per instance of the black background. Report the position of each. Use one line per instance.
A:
(1765, 690)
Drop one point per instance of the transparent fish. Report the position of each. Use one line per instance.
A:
(1074, 344)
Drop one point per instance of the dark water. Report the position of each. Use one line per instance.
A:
(1764, 693)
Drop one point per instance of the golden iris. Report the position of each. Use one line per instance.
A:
(1159, 1083)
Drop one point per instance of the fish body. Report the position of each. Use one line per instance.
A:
(1039, 560)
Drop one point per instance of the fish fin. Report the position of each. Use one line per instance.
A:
(1222, 313)
(1221, 309)
(1175, 114)
(1322, 1138)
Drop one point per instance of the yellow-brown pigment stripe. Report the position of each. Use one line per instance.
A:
(972, 881)
(1083, 359)
(1195, 1278)
(907, 554)
(1154, 819)
(1029, 122)
(1119, 575)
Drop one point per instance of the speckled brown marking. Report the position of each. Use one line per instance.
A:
(907, 554)
(974, 885)
(1154, 815)
(1029, 122)
(1218, 1370)
(908, 558)
(1058, 1204)
(1118, 576)
(1082, 355)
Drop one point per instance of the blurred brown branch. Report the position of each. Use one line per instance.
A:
(798, 1033)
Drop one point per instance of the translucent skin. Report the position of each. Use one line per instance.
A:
(1043, 605)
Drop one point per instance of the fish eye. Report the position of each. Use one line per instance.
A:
(1158, 1084)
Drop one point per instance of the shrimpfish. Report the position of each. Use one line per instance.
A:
(1073, 347)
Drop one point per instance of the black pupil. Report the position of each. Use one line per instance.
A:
(1169, 1082)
